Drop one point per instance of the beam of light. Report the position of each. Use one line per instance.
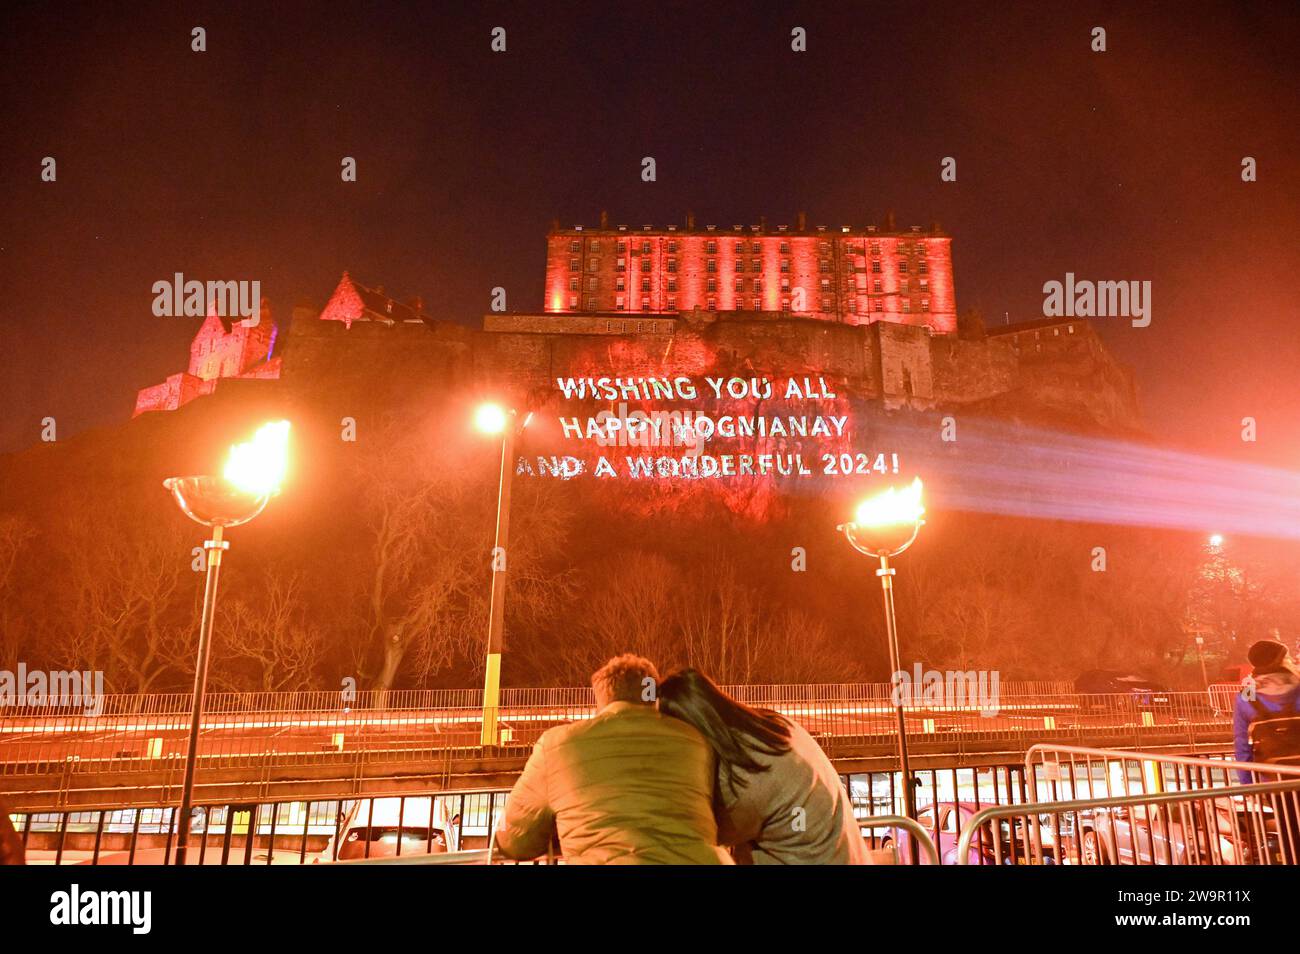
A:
(891, 508)
(258, 466)
(1030, 472)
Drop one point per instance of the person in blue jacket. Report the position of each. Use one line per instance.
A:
(1273, 689)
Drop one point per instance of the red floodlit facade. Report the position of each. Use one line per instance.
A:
(219, 350)
(844, 275)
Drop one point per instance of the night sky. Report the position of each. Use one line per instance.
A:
(225, 165)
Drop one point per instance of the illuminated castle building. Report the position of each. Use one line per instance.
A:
(871, 311)
(852, 276)
(222, 348)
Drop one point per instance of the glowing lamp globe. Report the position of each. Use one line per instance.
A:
(887, 523)
(490, 418)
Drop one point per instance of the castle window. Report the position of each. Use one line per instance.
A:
(826, 284)
(875, 266)
(620, 264)
(824, 266)
(757, 264)
(575, 264)
(574, 248)
(740, 248)
(591, 304)
(622, 246)
(645, 284)
(923, 268)
(593, 264)
(595, 245)
(672, 248)
(672, 265)
(645, 249)
(711, 265)
(672, 304)
(875, 286)
(875, 248)
(902, 265)
(740, 284)
(618, 302)
(740, 264)
(785, 284)
(758, 304)
(880, 305)
(925, 283)
(573, 301)
(711, 248)
(903, 286)
(712, 304)
(785, 304)
(712, 284)
(672, 284)
(925, 304)
(638, 326)
(785, 265)
(907, 306)
(620, 283)
(645, 264)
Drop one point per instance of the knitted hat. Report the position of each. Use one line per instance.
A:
(1266, 654)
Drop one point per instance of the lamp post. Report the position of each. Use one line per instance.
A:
(883, 527)
(251, 477)
(494, 419)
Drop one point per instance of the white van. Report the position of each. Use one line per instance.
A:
(373, 828)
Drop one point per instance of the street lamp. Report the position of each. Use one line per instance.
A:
(251, 477)
(495, 419)
(884, 526)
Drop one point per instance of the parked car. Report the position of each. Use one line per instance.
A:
(1018, 842)
(374, 828)
(1198, 833)
(1143, 691)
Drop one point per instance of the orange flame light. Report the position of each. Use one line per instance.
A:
(258, 467)
(892, 508)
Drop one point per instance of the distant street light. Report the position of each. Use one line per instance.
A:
(251, 477)
(884, 526)
(494, 419)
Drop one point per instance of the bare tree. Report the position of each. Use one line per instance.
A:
(126, 592)
(267, 633)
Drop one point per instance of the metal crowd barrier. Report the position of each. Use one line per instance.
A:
(1140, 808)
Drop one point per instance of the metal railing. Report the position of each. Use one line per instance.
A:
(1101, 806)
(242, 729)
(1246, 825)
(268, 833)
(917, 835)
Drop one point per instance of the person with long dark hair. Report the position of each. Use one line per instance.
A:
(778, 798)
